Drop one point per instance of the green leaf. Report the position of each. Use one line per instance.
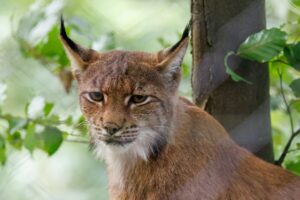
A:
(26, 109)
(54, 119)
(296, 105)
(2, 151)
(263, 46)
(52, 48)
(292, 53)
(185, 70)
(48, 108)
(229, 71)
(52, 139)
(295, 86)
(69, 121)
(15, 140)
(15, 124)
(294, 166)
(296, 2)
(81, 125)
(31, 140)
(162, 41)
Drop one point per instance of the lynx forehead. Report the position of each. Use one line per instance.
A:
(122, 71)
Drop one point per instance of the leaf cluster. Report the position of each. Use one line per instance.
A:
(275, 47)
(40, 128)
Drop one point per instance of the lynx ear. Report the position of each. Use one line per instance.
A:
(79, 56)
(171, 58)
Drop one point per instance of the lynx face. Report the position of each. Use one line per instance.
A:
(126, 97)
(126, 103)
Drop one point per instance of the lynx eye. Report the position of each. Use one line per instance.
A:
(96, 96)
(138, 99)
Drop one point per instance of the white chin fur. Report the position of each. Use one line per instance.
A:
(121, 158)
(140, 148)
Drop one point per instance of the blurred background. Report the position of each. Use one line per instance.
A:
(72, 172)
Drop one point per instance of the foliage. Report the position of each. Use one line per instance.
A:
(274, 46)
(40, 128)
(263, 46)
(37, 34)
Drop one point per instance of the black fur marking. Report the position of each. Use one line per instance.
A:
(185, 34)
(157, 147)
(65, 37)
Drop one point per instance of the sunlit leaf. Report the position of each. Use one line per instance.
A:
(296, 2)
(81, 125)
(263, 46)
(276, 66)
(292, 53)
(185, 70)
(15, 140)
(2, 151)
(15, 124)
(295, 85)
(52, 139)
(48, 108)
(296, 105)
(52, 48)
(294, 166)
(54, 119)
(30, 141)
(69, 121)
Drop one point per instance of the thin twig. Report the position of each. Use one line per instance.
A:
(78, 141)
(76, 135)
(293, 150)
(288, 109)
(282, 62)
(286, 148)
(294, 134)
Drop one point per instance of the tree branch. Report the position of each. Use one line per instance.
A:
(294, 134)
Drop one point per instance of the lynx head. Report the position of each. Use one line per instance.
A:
(126, 97)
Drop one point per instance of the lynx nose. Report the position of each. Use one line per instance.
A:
(111, 128)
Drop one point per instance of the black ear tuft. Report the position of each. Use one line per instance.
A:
(185, 34)
(62, 27)
(186, 30)
(65, 37)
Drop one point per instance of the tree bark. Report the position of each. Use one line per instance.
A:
(243, 109)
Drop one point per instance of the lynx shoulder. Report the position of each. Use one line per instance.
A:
(156, 144)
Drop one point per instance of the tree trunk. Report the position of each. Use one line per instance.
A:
(243, 109)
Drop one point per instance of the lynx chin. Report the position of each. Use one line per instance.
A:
(158, 145)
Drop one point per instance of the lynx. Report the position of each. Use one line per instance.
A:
(158, 145)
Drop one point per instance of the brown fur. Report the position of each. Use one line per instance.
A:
(187, 154)
(203, 163)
